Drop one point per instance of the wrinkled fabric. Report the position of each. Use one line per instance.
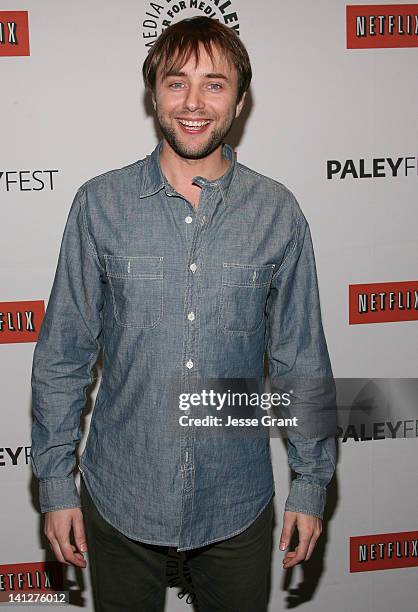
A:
(172, 293)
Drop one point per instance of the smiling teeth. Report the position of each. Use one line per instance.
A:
(193, 123)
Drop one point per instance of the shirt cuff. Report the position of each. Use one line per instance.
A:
(58, 493)
(306, 497)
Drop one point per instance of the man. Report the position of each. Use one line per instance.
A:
(184, 265)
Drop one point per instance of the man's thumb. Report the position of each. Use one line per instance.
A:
(283, 543)
(286, 535)
(79, 534)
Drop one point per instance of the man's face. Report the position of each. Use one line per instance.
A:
(196, 105)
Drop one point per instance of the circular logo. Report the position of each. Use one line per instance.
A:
(160, 15)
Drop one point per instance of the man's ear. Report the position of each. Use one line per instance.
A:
(154, 103)
(240, 105)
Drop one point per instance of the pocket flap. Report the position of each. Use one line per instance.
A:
(247, 275)
(125, 266)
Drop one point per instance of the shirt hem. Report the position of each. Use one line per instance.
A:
(231, 535)
(170, 544)
(125, 533)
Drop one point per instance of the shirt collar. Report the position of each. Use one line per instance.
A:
(154, 179)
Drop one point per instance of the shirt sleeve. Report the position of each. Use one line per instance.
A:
(66, 351)
(299, 362)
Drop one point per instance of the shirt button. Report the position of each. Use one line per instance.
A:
(189, 364)
(188, 219)
(193, 267)
(187, 411)
(190, 316)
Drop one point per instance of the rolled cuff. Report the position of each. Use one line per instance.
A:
(307, 498)
(58, 493)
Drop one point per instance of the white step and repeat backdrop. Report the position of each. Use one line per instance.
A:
(332, 114)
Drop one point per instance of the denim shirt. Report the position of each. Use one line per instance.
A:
(173, 292)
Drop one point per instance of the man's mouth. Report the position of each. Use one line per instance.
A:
(195, 126)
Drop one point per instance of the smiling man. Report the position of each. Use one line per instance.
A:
(196, 98)
(180, 266)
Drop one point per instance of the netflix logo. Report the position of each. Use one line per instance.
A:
(382, 25)
(41, 576)
(21, 321)
(384, 551)
(383, 302)
(14, 33)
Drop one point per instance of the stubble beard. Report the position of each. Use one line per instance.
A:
(216, 138)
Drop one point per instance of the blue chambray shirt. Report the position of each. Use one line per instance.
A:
(168, 292)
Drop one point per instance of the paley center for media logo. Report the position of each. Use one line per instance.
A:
(374, 168)
(383, 302)
(27, 180)
(21, 321)
(14, 456)
(14, 33)
(384, 551)
(160, 15)
(374, 26)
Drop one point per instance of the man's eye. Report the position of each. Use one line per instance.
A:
(215, 86)
(175, 85)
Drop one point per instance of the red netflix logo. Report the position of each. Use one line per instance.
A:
(384, 551)
(14, 33)
(21, 321)
(383, 302)
(382, 25)
(41, 576)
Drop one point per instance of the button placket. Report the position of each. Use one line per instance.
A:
(189, 342)
(204, 214)
(198, 225)
(187, 433)
(195, 230)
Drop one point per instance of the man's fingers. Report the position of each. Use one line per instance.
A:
(309, 529)
(79, 533)
(314, 534)
(58, 526)
(315, 537)
(312, 544)
(303, 553)
(289, 521)
(67, 550)
(300, 554)
(289, 556)
(57, 551)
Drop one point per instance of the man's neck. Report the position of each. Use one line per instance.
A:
(180, 171)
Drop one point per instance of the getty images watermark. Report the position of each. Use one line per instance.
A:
(225, 401)
(247, 407)
(352, 409)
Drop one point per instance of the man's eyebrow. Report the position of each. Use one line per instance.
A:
(208, 75)
(170, 73)
(216, 75)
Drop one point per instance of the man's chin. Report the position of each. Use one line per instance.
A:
(197, 150)
(194, 153)
(194, 147)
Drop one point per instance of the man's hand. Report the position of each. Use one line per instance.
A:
(309, 530)
(57, 529)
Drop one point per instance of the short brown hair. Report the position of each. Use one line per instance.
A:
(178, 42)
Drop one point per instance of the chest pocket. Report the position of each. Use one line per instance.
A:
(243, 297)
(137, 289)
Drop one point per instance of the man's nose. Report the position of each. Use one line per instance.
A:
(194, 98)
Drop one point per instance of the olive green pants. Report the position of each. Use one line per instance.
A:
(228, 576)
